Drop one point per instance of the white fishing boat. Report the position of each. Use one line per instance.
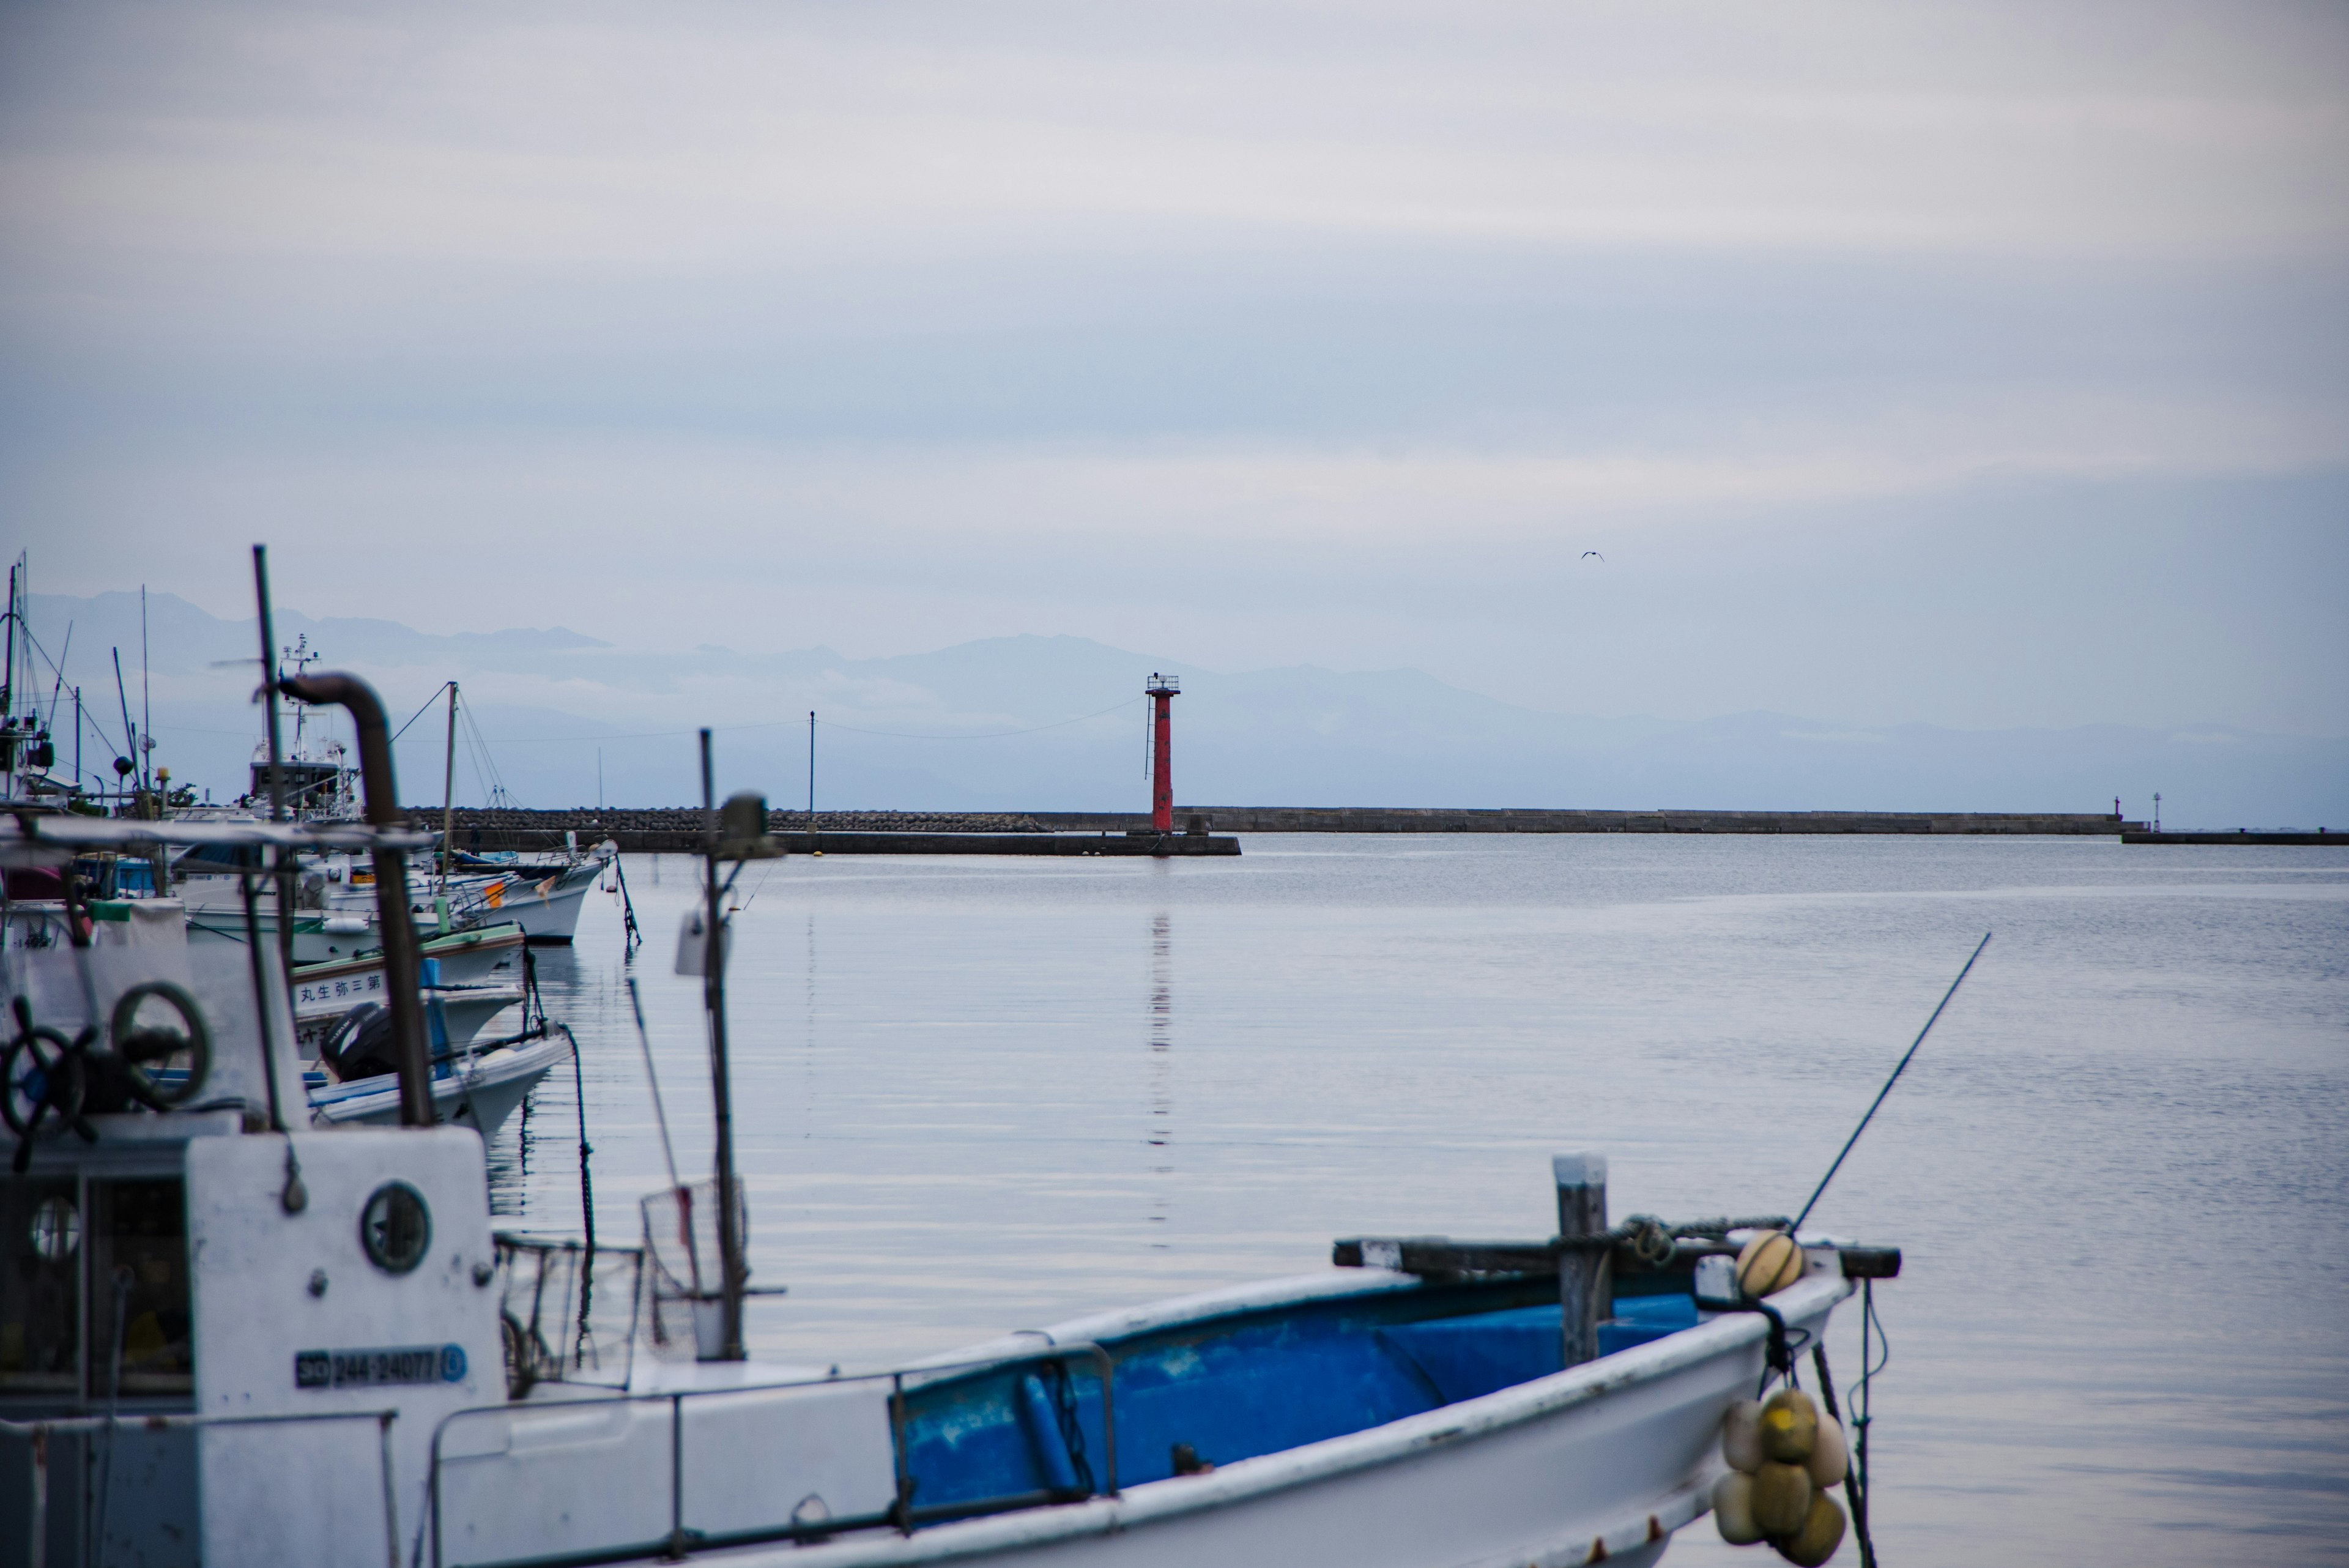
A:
(543, 898)
(279, 1344)
(479, 1089)
(29, 752)
(467, 1008)
(486, 955)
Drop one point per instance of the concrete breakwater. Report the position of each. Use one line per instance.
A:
(678, 829)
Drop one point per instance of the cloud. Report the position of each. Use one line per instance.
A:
(1930, 364)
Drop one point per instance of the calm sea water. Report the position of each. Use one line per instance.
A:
(976, 1094)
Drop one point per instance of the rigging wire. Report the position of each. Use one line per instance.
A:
(499, 795)
(429, 704)
(57, 664)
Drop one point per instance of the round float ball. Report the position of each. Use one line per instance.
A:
(1741, 1436)
(1769, 1262)
(1830, 1457)
(1732, 1509)
(1821, 1533)
(1790, 1423)
(1782, 1498)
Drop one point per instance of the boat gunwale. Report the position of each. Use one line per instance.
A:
(1443, 1425)
(1328, 1459)
(336, 1101)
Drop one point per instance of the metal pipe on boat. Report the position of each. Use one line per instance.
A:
(403, 999)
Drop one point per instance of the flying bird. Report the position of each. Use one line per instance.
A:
(1588, 554)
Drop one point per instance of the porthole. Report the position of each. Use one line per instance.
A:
(396, 1227)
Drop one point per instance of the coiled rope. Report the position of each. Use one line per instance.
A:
(1651, 1240)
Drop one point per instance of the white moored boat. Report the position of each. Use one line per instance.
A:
(479, 1090)
(322, 1354)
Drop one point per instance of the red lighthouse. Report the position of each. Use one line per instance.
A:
(1162, 691)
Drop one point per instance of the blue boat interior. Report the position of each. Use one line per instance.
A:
(1234, 1387)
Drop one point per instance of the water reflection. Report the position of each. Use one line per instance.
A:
(1160, 1057)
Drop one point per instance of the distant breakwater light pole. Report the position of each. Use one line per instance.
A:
(1163, 690)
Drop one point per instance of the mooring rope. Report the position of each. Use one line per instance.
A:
(1651, 1240)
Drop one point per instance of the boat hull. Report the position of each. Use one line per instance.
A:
(547, 908)
(480, 1095)
(1599, 1462)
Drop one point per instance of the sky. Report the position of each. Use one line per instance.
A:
(1981, 366)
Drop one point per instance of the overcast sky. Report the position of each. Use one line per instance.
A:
(1978, 365)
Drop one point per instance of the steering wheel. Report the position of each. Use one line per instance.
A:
(44, 1074)
(166, 1065)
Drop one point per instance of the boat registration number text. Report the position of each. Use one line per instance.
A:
(404, 1363)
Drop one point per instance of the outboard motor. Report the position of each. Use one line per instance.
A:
(360, 1046)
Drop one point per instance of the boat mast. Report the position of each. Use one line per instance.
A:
(131, 730)
(449, 791)
(8, 681)
(269, 674)
(730, 1272)
(146, 753)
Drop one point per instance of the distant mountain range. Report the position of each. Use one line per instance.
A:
(1056, 724)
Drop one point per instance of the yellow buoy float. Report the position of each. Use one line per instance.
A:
(1782, 1498)
(1741, 1436)
(1790, 1425)
(1733, 1509)
(1821, 1533)
(1784, 1453)
(1830, 1455)
(1768, 1264)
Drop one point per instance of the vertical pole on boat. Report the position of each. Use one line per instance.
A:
(713, 993)
(1584, 1275)
(146, 709)
(276, 760)
(812, 846)
(8, 681)
(448, 793)
(129, 731)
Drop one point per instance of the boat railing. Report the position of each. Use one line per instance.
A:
(37, 1433)
(901, 1515)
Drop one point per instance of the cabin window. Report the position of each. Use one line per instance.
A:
(138, 1288)
(40, 1278)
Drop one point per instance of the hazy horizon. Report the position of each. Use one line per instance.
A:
(554, 717)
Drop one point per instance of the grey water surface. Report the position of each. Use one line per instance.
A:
(979, 1093)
